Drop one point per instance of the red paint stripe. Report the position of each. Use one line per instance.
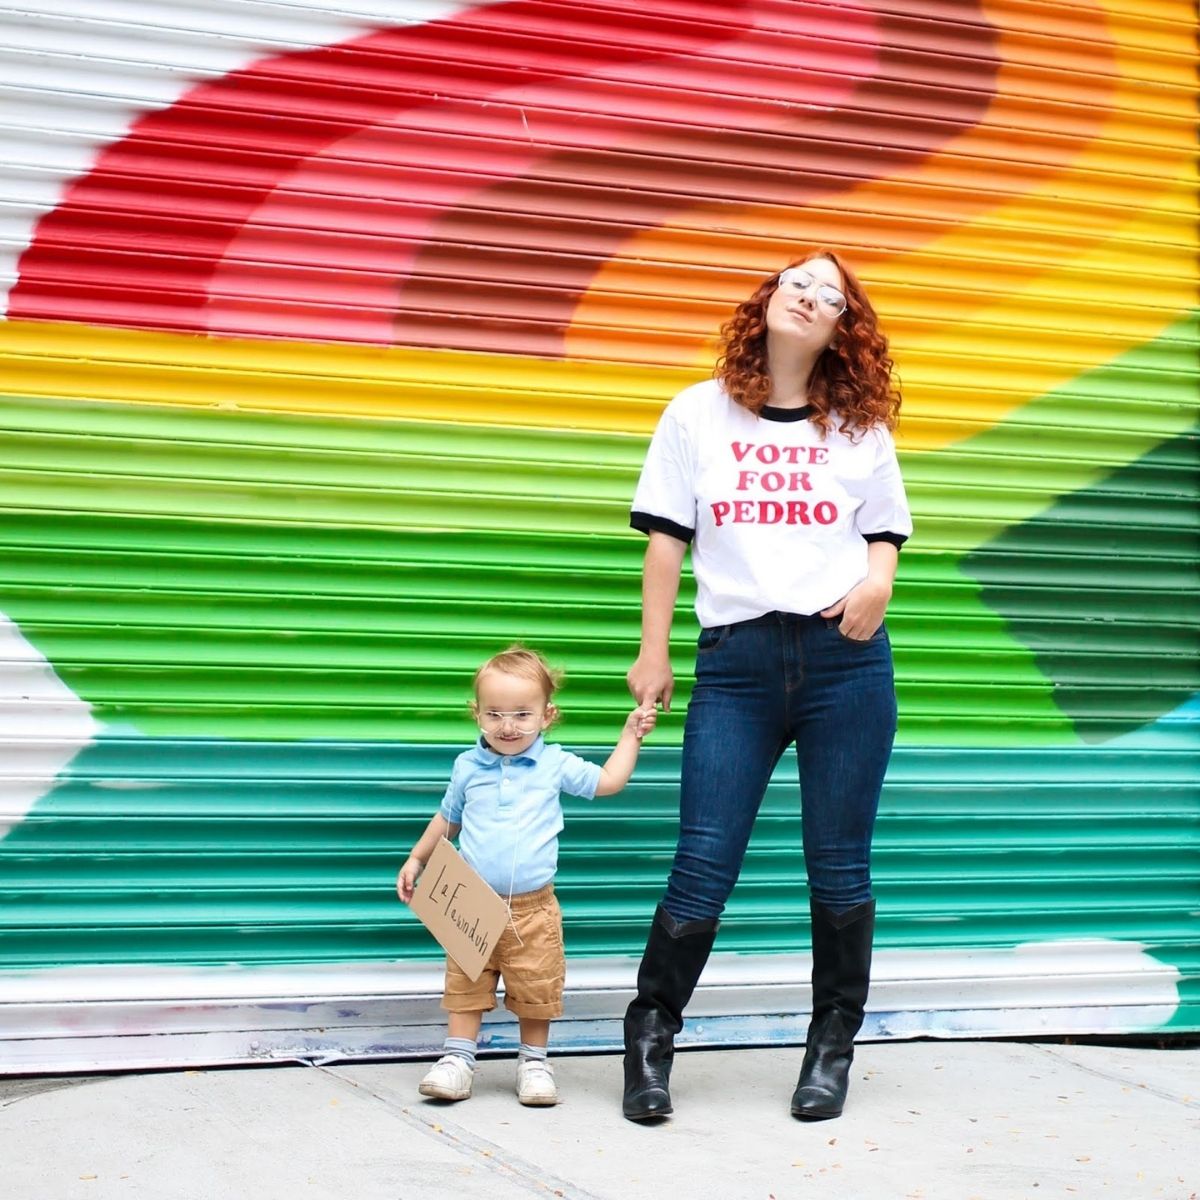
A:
(223, 148)
(196, 220)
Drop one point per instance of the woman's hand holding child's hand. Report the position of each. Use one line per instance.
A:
(407, 879)
(651, 679)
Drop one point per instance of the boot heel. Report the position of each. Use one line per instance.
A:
(820, 1094)
(649, 1052)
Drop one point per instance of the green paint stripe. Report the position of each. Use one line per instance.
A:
(287, 576)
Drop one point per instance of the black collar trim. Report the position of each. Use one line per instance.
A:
(770, 412)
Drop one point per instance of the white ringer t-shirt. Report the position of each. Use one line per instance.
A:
(778, 516)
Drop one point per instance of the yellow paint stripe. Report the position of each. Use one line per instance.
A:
(88, 362)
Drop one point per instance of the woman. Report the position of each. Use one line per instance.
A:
(781, 475)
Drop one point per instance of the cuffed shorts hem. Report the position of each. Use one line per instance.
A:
(468, 1004)
(536, 1012)
(529, 957)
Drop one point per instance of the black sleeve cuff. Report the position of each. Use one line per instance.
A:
(896, 539)
(648, 522)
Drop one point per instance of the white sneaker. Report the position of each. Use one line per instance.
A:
(449, 1078)
(535, 1082)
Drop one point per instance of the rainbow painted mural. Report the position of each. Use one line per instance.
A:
(333, 346)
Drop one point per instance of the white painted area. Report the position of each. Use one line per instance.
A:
(127, 1016)
(77, 74)
(43, 725)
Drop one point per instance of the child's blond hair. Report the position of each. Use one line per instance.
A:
(525, 664)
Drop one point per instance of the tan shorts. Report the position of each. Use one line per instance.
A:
(529, 956)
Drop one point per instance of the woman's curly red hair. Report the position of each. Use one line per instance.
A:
(852, 378)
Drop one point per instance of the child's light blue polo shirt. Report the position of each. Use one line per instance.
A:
(510, 813)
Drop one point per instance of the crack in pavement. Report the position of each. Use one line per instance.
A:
(1124, 1081)
(14, 1091)
(531, 1176)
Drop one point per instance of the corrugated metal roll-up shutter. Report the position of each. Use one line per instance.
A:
(335, 335)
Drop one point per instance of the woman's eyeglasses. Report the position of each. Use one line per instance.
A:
(797, 281)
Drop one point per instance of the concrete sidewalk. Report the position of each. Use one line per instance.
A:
(926, 1121)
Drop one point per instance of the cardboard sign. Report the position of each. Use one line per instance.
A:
(455, 904)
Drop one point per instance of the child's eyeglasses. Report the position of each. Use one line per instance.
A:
(522, 720)
(797, 281)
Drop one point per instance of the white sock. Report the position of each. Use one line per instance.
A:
(464, 1047)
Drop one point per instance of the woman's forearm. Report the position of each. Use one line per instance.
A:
(660, 589)
(650, 678)
(882, 560)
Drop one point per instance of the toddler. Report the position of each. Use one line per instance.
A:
(503, 799)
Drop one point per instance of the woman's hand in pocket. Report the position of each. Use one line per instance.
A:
(861, 609)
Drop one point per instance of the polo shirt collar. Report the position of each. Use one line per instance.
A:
(485, 756)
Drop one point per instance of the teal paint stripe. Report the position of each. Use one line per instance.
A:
(180, 851)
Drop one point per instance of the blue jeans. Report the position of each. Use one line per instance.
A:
(760, 686)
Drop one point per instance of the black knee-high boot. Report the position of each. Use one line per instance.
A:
(675, 954)
(840, 978)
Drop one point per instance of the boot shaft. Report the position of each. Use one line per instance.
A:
(674, 958)
(841, 974)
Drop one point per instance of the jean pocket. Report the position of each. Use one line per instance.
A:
(712, 639)
(835, 623)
